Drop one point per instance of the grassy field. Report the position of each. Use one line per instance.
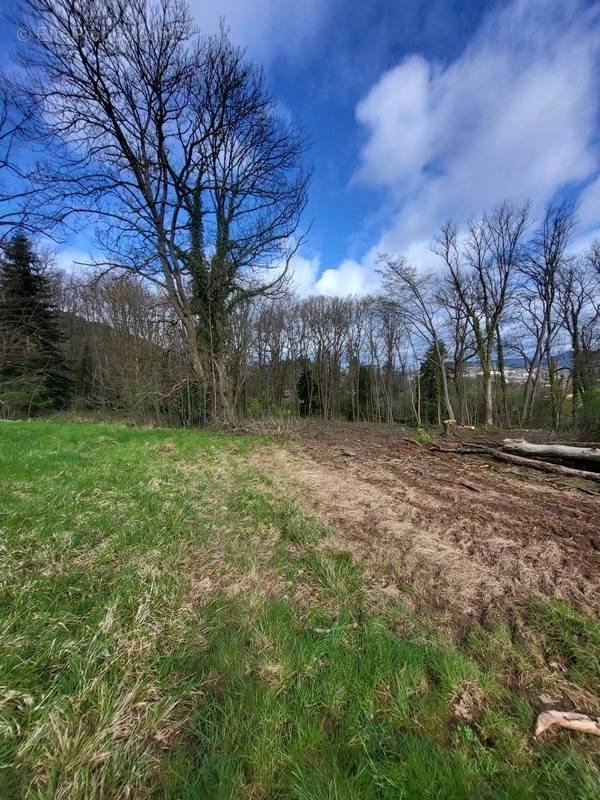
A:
(171, 626)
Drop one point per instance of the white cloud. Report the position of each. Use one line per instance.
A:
(349, 278)
(514, 116)
(304, 273)
(266, 28)
(397, 115)
(74, 261)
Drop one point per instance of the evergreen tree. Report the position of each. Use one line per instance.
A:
(431, 386)
(307, 392)
(364, 391)
(83, 384)
(33, 370)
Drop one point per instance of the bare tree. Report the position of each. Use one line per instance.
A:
(390, 327)
(357, 333)
(506, 228)
(577, 291)
(326, 322)
(463, 345)
(16, 190)
(592, 256)
(355, 357)
(417, 296)
(541, 266)
(176, 146)
(481, 272)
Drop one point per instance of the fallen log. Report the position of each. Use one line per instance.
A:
(546, 466)
(482, 443)
(532, 463)
(589, 455)
(482, 449)
(593, 445)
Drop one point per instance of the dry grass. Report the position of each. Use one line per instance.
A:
(174, 625)
(418, 530)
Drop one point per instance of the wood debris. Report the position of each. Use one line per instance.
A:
(567, 719)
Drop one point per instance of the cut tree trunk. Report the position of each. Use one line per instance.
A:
(593, 445)
(532, 463)
(546, 466)
(589, 455)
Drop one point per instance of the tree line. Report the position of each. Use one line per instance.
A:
(428, 347)
(169, 144)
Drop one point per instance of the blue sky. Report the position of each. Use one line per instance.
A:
(419, 111)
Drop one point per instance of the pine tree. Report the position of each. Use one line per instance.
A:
(431, 385)
(307, 391)
(33, 370)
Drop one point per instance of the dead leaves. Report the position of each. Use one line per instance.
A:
(469, 702)
(462, 712)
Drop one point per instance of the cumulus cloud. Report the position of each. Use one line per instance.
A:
(307, 276)
(397, 115)
(514, 116)
(304, 273)
(349, 277)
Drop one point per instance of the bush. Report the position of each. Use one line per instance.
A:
(422, 437)
(590, 414)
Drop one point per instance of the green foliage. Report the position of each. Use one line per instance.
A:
(33, 371)
(422, 437)
(256, 407)
(260, 406)
(431, 385)
(307, 392)
(589, 419)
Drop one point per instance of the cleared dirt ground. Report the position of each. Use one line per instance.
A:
(460, 533)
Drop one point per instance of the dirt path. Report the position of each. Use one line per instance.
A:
(463, 533)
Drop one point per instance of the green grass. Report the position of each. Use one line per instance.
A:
(172, 627)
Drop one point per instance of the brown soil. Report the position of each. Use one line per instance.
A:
(463, 533)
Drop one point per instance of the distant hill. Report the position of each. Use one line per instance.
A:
(562, 360)
(518, 362)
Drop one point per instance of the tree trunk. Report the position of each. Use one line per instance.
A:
(533, 375)
(584, 454)
(458, 380)
(545, 466)
(554, 393)
(487, 393)
(502, 379)
(222, 407)
(576, 382)
(444, 376)
(212, 342)
(533, 463)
